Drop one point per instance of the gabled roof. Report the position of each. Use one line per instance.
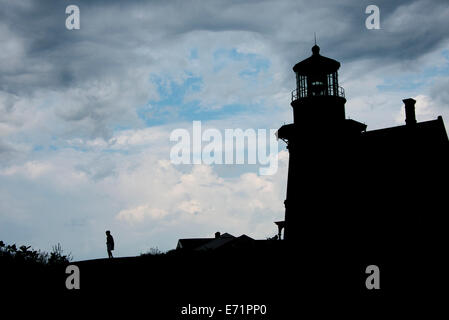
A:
(192, 243)
(216, 242)
(229, 243)
(424, 132)
(225, 241)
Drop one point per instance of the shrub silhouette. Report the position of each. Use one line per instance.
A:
(57, 256)
(25, 255)
(152, 252)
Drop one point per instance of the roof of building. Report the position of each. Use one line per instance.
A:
(316, 63)
(217, 242)
(193, 243)
(225, 240)
(432, 131)
(190, 244)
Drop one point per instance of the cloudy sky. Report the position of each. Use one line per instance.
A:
(86, 115)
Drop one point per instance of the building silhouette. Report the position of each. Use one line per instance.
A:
(224, 242)
(218, 241)
(349, 187)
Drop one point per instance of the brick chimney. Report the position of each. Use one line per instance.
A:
(410, 116)
(217, 235)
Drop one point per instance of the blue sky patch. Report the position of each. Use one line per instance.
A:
(255, 63)
(172, 104)
(417, 80)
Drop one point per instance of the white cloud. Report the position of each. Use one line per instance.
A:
(146, 199)
(75, 97)
(31, 169)
(138, 214)
(192, 206)
(425, 109)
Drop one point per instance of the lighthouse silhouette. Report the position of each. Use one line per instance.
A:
(346, 184)
(319, 142)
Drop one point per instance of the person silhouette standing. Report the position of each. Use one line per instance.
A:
(109, 243)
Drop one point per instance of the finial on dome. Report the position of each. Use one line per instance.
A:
(315, 48)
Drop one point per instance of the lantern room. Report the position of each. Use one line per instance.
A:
(317, 76)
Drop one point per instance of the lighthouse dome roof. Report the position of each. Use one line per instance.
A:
(316, 63)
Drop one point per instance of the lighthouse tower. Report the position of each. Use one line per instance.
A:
(320, 142)
(317, 83)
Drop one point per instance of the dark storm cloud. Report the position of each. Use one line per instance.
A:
(110, 30)
(409, 29)
(119, 39)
